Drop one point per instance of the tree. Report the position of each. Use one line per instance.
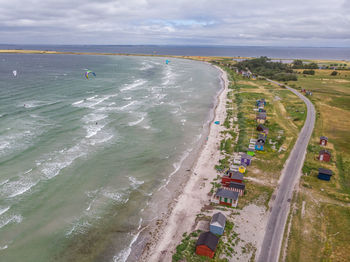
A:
(334, 73)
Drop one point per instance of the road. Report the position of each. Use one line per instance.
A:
(271, 245)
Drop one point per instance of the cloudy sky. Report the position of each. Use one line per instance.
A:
(178, 22)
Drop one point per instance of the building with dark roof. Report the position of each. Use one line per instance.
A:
(324, 174)
(217, 223)
(238, 187)
(206, 244)
(226, 197)
(324, 155)
(323, 140)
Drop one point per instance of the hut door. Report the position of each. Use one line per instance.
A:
(321, 157)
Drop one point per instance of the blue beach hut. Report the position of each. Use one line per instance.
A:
(324, 174)
(217, 224)
(259, 146)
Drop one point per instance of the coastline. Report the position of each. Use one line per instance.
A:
(193, 195)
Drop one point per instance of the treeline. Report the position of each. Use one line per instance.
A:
(298, 64)
(264, 67)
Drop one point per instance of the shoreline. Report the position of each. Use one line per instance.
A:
(191, 197)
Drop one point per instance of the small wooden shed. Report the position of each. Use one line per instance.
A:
(263, 129)
(323, 140)
(226, 197)
(238, 187)
(259, 146)
(217, 223)
(246, 159)
(242, 168)
(206, 244)
(324, 155)
(324, 174)
(261, 138)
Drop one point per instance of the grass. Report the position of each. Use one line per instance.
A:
(323, 233)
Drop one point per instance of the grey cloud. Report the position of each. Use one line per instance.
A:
(228, 22)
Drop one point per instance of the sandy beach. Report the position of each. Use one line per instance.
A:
(195, 193)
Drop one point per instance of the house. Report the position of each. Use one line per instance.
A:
(231, 177)
(261, 139)
(261, 118)
(261, 102)
(217, 224)
(250, 152)
(242, 168)
(226, 197)
(323, 140)
(206, 244)
(262, 129)
(324, 155)
(259, 146)
(246, 159)
(237, 160)
(251, 146)
(238, 187)
(324, 174)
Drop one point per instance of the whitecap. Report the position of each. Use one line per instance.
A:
(12, 219)
(127, 105)
(4, 210)
(3, 247)
(135, 84)
(134, 182)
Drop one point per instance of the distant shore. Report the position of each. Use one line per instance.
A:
(192, 57)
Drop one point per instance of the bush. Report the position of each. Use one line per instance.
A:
(334, 73)
(309, 72)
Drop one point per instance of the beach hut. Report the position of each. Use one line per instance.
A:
(238, 187)
(226, 197)
(217, 223)
(323, 140)
(242, 168)
(259, 146)
(324, 174)
(250, 151)
(246, 159)
(261, 139)
(232, 177)
(263, 129)
(261, 109)
(261, 118)
(206, 244)
(324, 155)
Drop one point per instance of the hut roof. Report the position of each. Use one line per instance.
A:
(227, 193)
(325, 171)
(324, 151)
(324, 138)
(218, 218)
(259, 144)
(208, 239)
(245, 156)
(237, 185)
(237, 175)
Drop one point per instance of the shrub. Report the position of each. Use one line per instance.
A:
(334, 73)
(309, 72)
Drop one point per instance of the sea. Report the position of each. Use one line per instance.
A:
(81, 159)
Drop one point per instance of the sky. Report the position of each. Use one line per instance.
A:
(177, 22)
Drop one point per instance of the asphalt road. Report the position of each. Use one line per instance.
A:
(271, 245)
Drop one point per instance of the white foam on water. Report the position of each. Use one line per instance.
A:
(3, 247)
(127, 98)
(115, 196)
(123, 255)
(78, 228)
(146, 65)
(92, 130)
(4, 210)
(16, 188)
(10, 219)
(122, 108)
(4, 182)
(135, 84)
(135, 183)
(142, 115)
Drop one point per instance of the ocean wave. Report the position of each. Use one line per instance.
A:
(134, 123)
(134, 182)
(4, 210)
(123, 255)
(16, 188)
(135, 84)
(10, 219)
(127, 105)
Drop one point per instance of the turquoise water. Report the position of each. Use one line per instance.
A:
(80, 159)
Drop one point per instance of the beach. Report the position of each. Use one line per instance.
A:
(194, 194)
